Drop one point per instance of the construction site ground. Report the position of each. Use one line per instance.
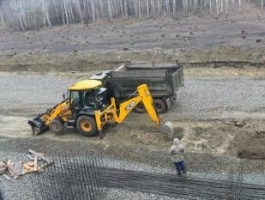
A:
(219, 111)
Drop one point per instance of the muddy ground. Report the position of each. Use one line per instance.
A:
(220, 110)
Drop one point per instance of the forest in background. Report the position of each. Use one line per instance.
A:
(23, 15)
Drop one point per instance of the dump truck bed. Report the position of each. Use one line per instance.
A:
(164, 79)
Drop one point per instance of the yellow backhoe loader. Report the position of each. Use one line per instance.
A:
(89, 107)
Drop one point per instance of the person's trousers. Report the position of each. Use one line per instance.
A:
(180, 166)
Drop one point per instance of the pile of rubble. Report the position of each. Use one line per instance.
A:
(36, 162)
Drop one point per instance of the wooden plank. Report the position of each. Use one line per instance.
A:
(7, 177)
(11, 168)
(3, 167)
(36, 163)
(18, 168)
(30, 157)
(40, 155)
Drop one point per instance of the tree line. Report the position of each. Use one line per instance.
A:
(33, 14)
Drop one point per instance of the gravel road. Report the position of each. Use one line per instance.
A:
(198, 99)
(220, 98)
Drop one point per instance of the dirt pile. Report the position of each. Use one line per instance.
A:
(250, 141)
(221, 56)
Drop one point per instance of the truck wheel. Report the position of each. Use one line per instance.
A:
(160, 106)
(139, 108)
(56, 126)
(86, 126)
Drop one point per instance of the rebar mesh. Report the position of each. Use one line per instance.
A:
(71, 178)
(88, 178)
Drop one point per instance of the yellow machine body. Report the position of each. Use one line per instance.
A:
(90, 122)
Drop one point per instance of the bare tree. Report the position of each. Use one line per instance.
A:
(217, 6)
(109, 9)
(15, 5)
(240, 4)
(121, 8)
(210, 5)
(167, 5)
(233, 5)
(139, 7)
(23, 15)
(126, 8)
(185, 7)
(45, 13)
(92, 3)
(66, 13)
(2, 19)
(26, 14)
(153, 7)
(174, 7)
(79, 11)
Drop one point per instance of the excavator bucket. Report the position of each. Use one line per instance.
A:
(37, 124)
(167, 128)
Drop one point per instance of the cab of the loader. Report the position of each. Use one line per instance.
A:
(87, 96)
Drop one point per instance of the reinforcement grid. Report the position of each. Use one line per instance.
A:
(86, 178)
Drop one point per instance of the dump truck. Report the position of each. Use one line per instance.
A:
(163, 79)
(89, 108)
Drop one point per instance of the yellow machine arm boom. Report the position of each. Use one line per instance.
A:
(112, 114)
(144, 97)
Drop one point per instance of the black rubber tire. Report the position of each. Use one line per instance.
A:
(139, 108)
(56, 126)
(160, 106)
(88, 121)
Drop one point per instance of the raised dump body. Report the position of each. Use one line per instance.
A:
(163, 80)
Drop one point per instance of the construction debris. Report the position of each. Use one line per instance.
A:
(3, 167)
(36, 163)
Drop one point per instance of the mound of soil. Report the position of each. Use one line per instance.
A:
(251, 145)
(250, 142)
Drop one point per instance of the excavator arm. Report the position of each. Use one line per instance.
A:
(120, 114)
(147, 100)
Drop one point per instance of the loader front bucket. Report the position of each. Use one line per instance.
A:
(37, 125)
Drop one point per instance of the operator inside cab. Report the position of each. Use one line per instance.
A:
(90, 99)
(96, 98)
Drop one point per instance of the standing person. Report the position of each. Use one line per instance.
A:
(176, 152)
